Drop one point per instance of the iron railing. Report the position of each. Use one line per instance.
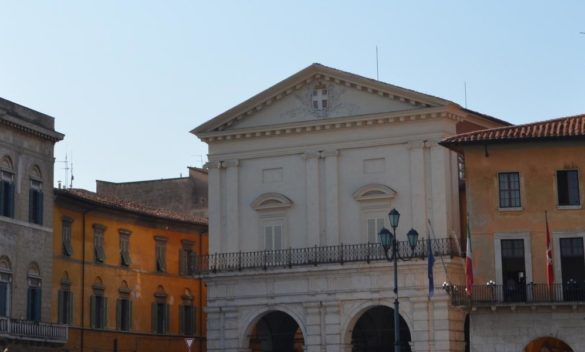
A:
(489, 295)
(32, 330)
(287, 258)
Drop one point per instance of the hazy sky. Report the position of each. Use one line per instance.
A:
(127, 80)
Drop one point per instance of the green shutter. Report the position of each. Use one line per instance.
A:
(11, 199)
(92, 311)
(167, 320)
(119, 314)
(181, 319)
(154, 317)
(129, 315)
(70, 310)
(40, 208)
(182, 262)
(60, 307)
(31, 205)
(105, 320)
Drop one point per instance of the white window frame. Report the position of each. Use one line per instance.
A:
(556, 238)
(498, 237)
(521, 191)
(375, 213)
(273, 220)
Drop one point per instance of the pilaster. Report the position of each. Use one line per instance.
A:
(418, 186)
(232, 201)
(312, 182)
(214, 204)
(331, 196)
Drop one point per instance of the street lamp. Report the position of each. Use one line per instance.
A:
(389, 242)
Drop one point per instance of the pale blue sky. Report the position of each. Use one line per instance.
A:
(127, 80)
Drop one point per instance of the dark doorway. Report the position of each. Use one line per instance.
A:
(513, 270)
(277, 332)
(374, 332)
(572, 268)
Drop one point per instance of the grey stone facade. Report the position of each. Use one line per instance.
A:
(186, 195)
(27, 140)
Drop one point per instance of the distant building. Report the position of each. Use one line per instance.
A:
(513, 175)
(301, 179)
(123, 274)
(186, 195)
(27, 139)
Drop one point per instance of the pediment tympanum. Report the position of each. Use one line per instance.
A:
(271, 201)
(374, 192)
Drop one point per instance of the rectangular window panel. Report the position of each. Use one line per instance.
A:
(123, 314)
(66, 237)
(36, 202)
(160, 252)
(3, 299)
(6, 194)
(509, 189)
(568, 187)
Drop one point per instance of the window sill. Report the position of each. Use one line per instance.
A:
(511, 209)
(569, 207)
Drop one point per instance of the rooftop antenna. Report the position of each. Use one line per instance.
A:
(465, 90)
(66, 168)
(72, 177)
(377, 69)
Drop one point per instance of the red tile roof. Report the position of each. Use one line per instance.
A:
(571, 127)
(118, 204)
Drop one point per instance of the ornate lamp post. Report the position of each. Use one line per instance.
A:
(389, 242)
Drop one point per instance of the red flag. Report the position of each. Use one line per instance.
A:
(550, 275)
(468, 263)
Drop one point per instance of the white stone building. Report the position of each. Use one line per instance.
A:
(301, 177)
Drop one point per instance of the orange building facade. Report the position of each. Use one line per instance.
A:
(123, 275)
(517, 180)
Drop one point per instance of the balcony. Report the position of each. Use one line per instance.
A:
(32, 331)
(314, 256)
(529, 294)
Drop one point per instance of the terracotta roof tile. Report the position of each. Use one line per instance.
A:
(115, 203)
(571, 127)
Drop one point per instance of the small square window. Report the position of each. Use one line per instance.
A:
(568, 188)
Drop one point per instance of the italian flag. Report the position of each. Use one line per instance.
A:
(468, 263)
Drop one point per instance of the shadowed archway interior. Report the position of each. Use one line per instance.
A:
(547, 344)
(277, 332)
(374, 332)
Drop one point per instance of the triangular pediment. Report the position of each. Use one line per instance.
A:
(300, 98)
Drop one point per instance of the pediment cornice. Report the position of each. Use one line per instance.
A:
(311, 74)
(319, 126)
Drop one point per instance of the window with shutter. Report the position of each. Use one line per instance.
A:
(125, 248)
(6, 194)
(160, 253)
(36, 202)
(66, 223)
(98, 243)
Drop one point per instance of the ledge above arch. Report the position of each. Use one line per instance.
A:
(374, 192)
(270, 201)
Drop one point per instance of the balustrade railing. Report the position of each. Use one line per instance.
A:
(31, 330)
(340, 254)
(489, 295)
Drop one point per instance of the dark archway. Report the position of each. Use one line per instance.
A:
(374, 332)
(277, 332)
(547, 344)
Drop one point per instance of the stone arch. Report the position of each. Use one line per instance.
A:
(358, 311)
(35, 173)
(65, 281)
(252, 319)
(5, 264)
(374, 191)
(6, 163)
(271, 201)
(34, 270)
(547, 344)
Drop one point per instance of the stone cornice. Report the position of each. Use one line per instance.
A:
(30, 128)
(333, 124)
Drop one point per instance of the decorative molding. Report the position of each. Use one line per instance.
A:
(231, 163)
(312, 155)
(329, 153)
(212, 165)
(320, 125)
(271, 201)
(374, 192)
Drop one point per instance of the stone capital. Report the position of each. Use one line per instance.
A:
(329, 153)
(312, 155)
(231, 163)
(216, 164)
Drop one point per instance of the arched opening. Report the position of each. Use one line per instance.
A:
(374, 331)
(547, 344)
(277, 332)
